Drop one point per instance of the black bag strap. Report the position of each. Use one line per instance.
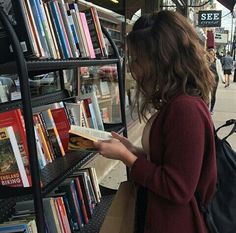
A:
(228, 123)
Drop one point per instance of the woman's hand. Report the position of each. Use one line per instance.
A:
(114, 149)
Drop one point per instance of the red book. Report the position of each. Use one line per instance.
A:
(62, 124)
(81, 199)
(15, 119)
(63, 215)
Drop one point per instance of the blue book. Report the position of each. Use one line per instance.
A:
(38, 21)
(22, 227)
(68, 187)
(59, 29)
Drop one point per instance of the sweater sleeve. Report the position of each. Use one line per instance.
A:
(184, 141)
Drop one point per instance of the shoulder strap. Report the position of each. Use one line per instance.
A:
(228, 123)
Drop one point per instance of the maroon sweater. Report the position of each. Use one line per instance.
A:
(182, 154)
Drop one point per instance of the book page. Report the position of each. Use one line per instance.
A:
(92, 134)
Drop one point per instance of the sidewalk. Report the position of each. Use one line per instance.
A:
(225, 109)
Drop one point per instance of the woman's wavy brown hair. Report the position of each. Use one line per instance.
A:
(166, 58)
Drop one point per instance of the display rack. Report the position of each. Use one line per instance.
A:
(54, 173)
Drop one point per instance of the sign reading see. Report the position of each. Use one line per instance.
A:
(209, 18)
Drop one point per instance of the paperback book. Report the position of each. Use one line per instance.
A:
(81, 138)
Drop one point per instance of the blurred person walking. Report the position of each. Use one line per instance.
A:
(227, 65)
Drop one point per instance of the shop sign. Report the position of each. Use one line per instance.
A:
(209, 18)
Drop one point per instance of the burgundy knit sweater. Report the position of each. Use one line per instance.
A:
(182, 159)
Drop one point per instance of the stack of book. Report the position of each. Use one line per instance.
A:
(67, 209)
(53, 29)
(52, 124)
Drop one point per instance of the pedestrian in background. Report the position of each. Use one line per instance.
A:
(216, 68)
(177, 157)
(227, 65)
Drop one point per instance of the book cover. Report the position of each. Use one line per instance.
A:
(17, 16)
(12, 171)
(81, 138)
(62, 124)
(15, 119)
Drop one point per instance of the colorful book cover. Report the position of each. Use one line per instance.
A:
(62, 124)
(12, 171)
(15, 119)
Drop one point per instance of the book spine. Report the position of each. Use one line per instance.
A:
(73, 29)
(87, 35)
(68, 28)
(38, 22)
(59, 30)
(51, 28)
(81, 199)
(45, 25)
(93, 33)
(58, 140)
(34, 29)
(63, 29)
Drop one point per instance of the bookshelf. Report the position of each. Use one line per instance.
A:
(57, 171)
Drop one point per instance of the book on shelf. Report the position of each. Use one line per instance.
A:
(50, 126)
(62, 124)
(68, 186)
(14, 118)
(81, 138)
(12, 170)
(94, 180)
(50, 212)
(93, 107)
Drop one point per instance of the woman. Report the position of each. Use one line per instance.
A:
(213, 60)
(178, 155)
(227, 65)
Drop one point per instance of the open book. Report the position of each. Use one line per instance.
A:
(81, 138)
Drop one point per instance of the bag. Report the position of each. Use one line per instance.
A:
(120, 217)
(220, 214)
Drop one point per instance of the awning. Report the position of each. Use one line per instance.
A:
(228, 4)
